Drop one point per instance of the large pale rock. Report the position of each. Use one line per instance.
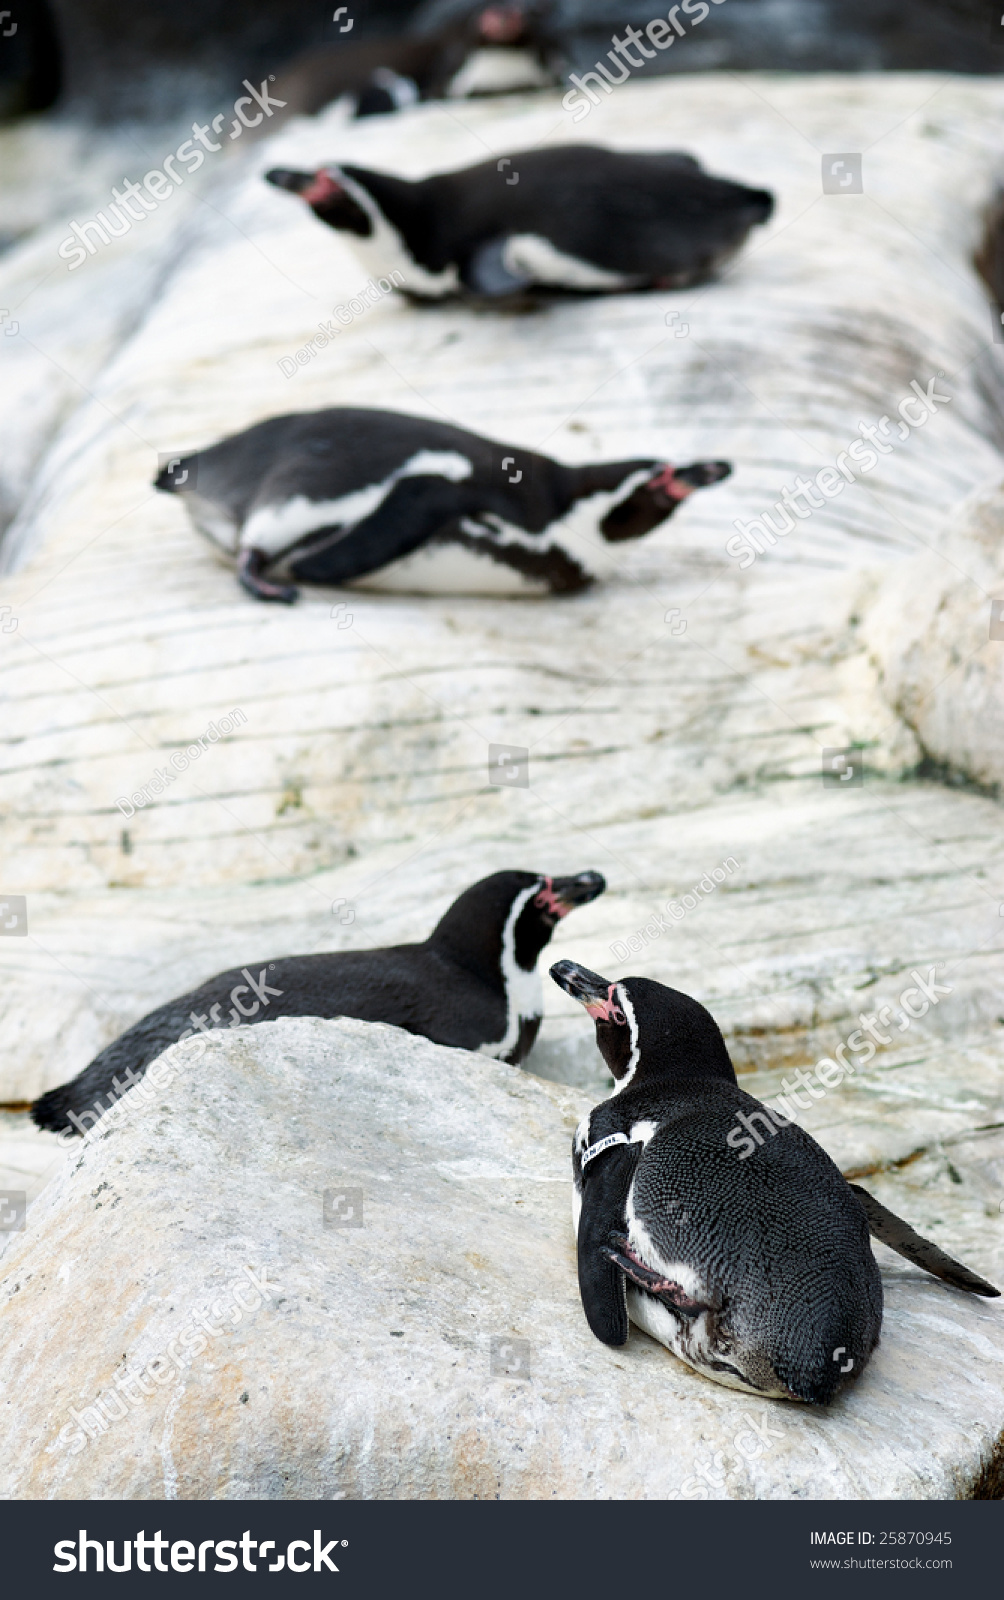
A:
(369, 1370)
(937, 633)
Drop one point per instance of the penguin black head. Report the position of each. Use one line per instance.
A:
(657, 498)
(521, 908)
(326, 196)
(645, 1031)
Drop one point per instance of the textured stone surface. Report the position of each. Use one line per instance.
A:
(933, 631)
(368, 1371)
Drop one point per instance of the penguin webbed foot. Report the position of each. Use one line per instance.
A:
(251, 566)
(619, 1251)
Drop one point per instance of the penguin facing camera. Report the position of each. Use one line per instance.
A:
(388, 501)
(575, 218)
(473, 983)
(758, 1274)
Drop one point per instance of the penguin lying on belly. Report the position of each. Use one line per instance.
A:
(570, 217)
(756, 1272)
(473, 984)
(396, 502)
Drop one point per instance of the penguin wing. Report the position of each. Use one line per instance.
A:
(899, 1236)
(602, 1284)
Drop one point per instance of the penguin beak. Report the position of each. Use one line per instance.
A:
(559, 896)
(596, 994)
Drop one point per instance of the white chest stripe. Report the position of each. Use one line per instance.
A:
(632, 1022)
(523, 990)
(385, 251)
(274, 528)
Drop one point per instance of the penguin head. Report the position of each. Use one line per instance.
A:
(516, 909)
(647, 504)
(501, 25)
(646, 1031)
(327, 196)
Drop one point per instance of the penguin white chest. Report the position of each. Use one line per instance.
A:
(445, 567)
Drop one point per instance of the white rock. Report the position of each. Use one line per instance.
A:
(932, 634)
(367, 1371)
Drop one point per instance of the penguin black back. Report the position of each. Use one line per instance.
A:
(570, 217)
(473, 984)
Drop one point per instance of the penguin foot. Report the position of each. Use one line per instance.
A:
(251, 565)
(619, 1251)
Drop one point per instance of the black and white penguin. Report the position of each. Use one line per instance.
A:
(396, 502)
(496, 49)
(756, 1272)
(473, 984)
(568, 217)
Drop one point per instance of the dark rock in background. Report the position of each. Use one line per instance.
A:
(30, 77)
(786, 35)
(109, 60)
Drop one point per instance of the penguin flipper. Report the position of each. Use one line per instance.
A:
(673, 1294)
(416, 508)
(602, 1284)
(486, 271)
(891, 1230)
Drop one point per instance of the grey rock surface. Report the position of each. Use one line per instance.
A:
(438, 1349)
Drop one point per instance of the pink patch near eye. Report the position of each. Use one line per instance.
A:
(607, 1010)
(547, 900)
(669, 484)
(322, 188)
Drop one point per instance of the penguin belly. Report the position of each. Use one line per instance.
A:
(447, 566)
(534, 258)
(698, 1343)
(498, 70)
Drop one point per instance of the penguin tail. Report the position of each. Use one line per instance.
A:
(891, 1230)
(49, 1111)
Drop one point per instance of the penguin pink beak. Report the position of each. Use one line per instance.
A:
(594, 994)
(667, 483)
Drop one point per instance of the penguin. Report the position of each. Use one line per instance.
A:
(756, 1272)
(388, 501)
(497, 49)
(575, 218)
(473, 984)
